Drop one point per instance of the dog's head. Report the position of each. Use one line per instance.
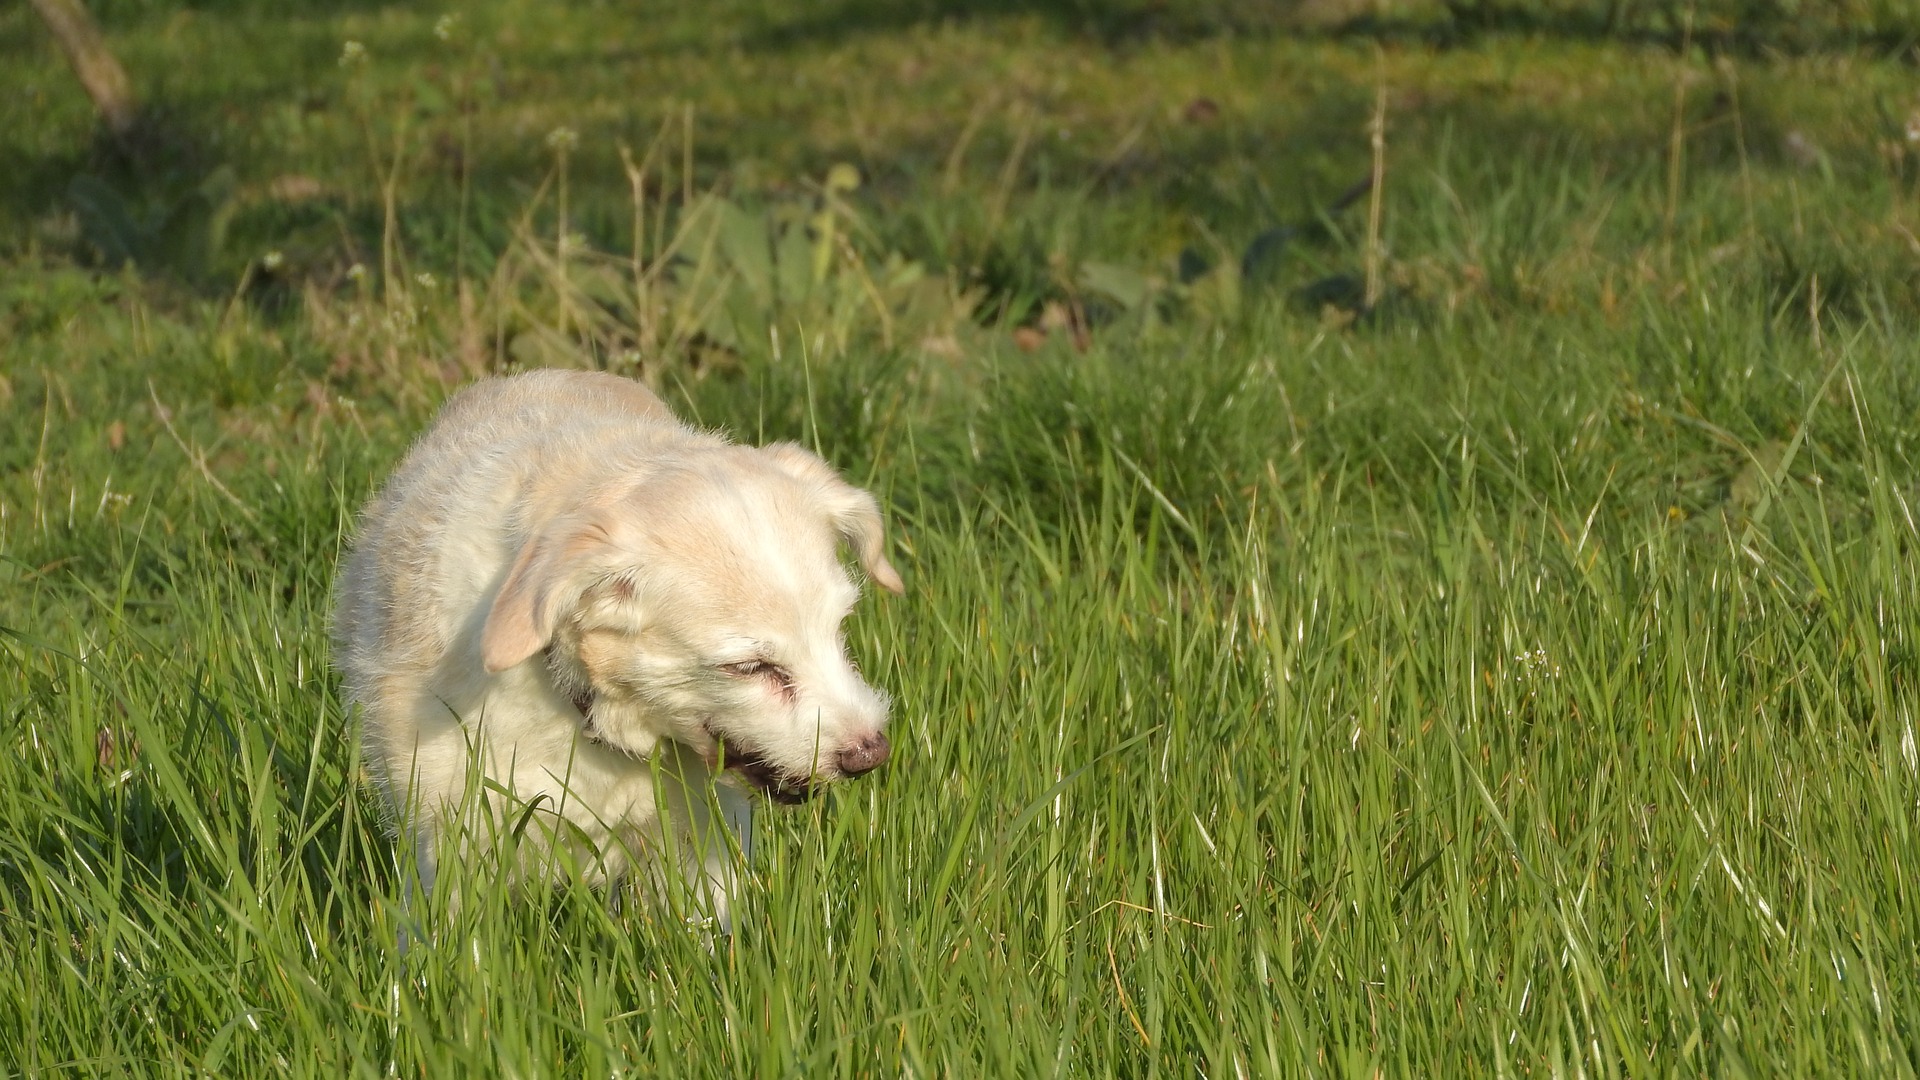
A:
(704, 605)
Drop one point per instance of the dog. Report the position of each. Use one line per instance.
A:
(568, 609)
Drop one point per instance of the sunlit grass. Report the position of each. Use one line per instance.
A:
(1218, 750)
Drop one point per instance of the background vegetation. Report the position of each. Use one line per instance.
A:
(1457, 624)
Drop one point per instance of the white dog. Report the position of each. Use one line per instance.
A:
(567, 609)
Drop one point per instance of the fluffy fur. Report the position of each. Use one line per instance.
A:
(565, 594)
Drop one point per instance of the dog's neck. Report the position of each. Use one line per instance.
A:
(581, 692)
(569, 679)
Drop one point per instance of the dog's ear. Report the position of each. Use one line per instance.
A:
(854, 513)
(857, 517)
(547, 579)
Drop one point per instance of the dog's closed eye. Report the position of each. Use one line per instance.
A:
(780, 677)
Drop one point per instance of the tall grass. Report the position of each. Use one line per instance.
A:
(1231, 739)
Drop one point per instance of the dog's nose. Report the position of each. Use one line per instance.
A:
(865, 756)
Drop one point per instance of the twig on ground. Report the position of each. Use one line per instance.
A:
(199, 459)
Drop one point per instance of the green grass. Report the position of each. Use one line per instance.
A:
(1517, 679)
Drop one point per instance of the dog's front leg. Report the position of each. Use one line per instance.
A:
(729, 852)
(709, 827)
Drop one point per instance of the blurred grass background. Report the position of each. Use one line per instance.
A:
(1462, 623)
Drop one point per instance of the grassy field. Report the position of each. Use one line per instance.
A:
(1462, 627)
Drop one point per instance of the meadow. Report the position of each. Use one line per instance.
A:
(1407, 513)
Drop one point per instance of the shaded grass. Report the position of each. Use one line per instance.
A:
(947, 117)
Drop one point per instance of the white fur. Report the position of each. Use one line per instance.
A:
(557, 534)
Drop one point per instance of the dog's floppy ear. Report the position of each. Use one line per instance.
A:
(548, 577)
(857, 517)
(855, 513)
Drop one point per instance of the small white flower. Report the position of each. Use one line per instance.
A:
(272, 260)
(563, 139)
(426, 280)
(352, 53)
(1536, 664)
(445, 27)
(356, 272)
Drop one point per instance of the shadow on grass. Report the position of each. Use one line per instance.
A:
(168, 205)
(111, 11)
(1765, 29)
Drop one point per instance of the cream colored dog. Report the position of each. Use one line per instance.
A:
(568, 609)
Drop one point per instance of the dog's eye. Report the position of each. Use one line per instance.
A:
(761, 669)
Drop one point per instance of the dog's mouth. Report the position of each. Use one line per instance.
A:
(764, 776)
(774, 783)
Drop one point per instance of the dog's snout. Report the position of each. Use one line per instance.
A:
(865, 756)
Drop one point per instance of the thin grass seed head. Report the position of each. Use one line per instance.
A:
(1532, 669)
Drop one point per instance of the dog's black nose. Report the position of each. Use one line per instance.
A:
(865, 756)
